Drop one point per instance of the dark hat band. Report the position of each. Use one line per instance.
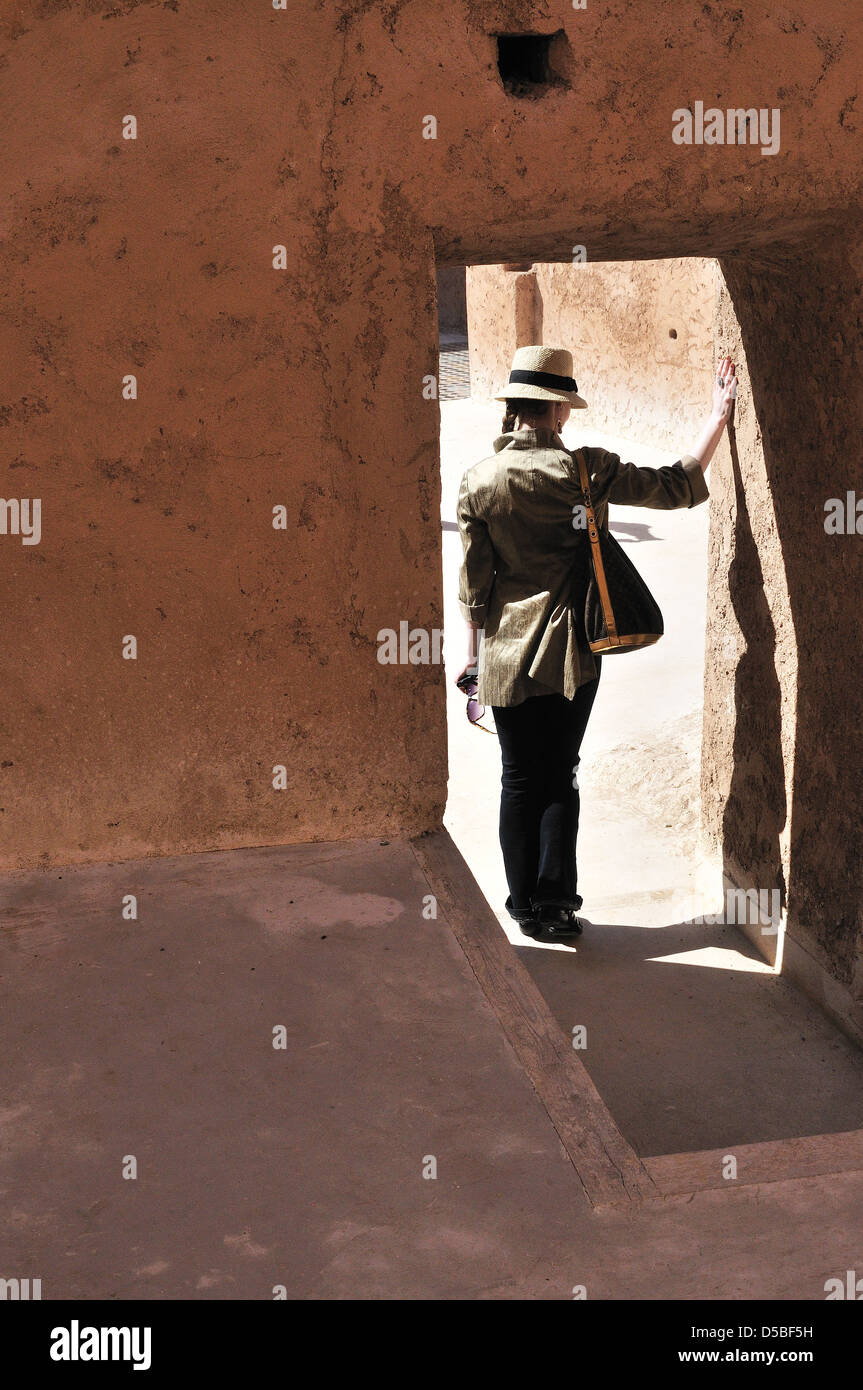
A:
(555, 383)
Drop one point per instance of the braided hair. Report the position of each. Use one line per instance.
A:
(519, 408)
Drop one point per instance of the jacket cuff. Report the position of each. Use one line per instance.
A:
(697, 482)
(474, 613)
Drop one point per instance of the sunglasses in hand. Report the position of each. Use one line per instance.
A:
(467, 684)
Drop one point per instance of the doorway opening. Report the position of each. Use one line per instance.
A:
(691, 1037)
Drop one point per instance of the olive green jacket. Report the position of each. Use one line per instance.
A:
(526, 560)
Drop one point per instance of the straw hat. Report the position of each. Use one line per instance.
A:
(542, 374)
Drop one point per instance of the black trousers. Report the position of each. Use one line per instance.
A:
(540, 741)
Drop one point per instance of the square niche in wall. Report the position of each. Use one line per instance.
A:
(532, 64)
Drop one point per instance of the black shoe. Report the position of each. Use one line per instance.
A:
(525, 916)
(559, 922)
(530, 926)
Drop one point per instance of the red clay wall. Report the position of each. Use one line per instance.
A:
(304, 386)
(783, 770)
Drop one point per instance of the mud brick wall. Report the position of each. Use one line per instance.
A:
(377, 143)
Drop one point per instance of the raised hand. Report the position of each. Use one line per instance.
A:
(724, 390)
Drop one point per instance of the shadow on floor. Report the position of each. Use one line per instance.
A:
(693, 1043)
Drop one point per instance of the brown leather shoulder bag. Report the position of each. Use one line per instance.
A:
(620, 612)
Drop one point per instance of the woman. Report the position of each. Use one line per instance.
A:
(523, 585)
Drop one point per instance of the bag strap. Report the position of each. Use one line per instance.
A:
(596, 552)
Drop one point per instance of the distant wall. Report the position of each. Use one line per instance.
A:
(452, 299)
(641, 334)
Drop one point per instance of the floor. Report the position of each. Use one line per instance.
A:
(259, 1165)
(454, 367)
(304, 1165)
